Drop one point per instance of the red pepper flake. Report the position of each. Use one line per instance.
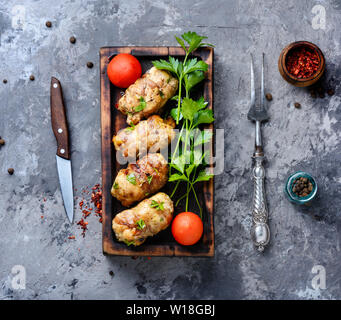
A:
(72, 237)
(44, 199)
(302, 62)
(84, 226)
(96, 201)
(42, 217)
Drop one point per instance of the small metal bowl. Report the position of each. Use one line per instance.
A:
(300, 82)
(294, 197)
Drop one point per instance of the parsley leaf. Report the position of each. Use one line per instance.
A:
(131, 178)
(203, 137)
(131, 128)
(179, 163)
(141, 106)
(149, 178)
(177, 177)
(173, 65)
(203, 176)
(192, 79)
(157, 205)
(174, 113)
(191, 107)
(193, 40)
(115, 186)
(140, 224)
(203, 116)
(194, 65)
(128, 243)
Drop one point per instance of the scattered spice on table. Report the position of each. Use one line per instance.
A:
(268, 96)
(297, 105)
(89, 65)
(88, 206)
(10, 171)
(96, 199)
(302, 187)
(48, 24)
(302, 62)
(84, 226)
(73, 40)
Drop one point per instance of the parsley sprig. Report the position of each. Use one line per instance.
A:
(189, 72)
(188, 163)
(190, 160)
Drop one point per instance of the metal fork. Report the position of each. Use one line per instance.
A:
(260, 232)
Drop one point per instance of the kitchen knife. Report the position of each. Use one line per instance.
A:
(60, 130)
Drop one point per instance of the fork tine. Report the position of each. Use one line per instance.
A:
(262, 85)
(253, 91)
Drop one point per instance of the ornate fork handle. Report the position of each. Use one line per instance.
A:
(260, 232)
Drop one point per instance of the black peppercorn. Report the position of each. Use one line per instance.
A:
(32, 77)
(73, 40)
(111, 273)
(4, 81)
(89, 65)
(297, 105)
(330, 92)
(268, 96)
(2, 142)
(302, 187)
(48, 24)
(10, 171)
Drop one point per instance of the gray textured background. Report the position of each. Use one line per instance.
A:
(308, 139)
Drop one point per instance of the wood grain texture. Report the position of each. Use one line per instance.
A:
(59, 119)
(111, 122)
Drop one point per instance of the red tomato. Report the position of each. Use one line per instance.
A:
(123, 70)
(187, 228)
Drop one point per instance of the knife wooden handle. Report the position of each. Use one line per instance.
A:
(58, 119)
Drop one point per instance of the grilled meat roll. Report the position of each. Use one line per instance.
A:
(148, 218)
(139, 180)
(151, 135)
(147, 95)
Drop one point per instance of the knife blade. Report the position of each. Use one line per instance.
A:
(63, 156)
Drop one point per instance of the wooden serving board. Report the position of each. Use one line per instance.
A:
(112, 120)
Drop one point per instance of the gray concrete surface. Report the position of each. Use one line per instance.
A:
(307, 139)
